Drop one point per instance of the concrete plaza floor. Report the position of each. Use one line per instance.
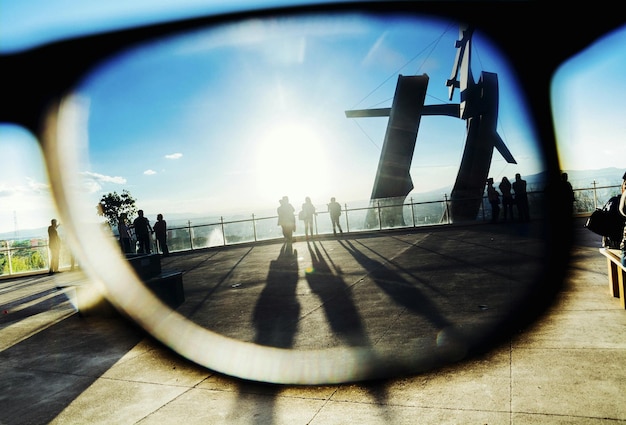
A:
(392, 292)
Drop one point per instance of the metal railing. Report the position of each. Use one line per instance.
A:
(18, 257)
(32, 256)
(264, 228)
(589, 199)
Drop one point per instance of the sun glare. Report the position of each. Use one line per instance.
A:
(291, 160)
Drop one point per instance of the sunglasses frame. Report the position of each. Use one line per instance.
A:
(37, 80)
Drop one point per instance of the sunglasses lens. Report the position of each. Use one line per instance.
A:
(218, 124)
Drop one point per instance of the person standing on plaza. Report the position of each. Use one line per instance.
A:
(124, 232)
(494, 199)
(143, 230)
(521, 198)
(54, 244)
(567, 193)
(306, 215)
(334, 210)
(160, 232)
(622, 211)
(608, 221)
(286, 219)
(507, 198)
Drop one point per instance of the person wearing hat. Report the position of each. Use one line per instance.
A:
(494, 199)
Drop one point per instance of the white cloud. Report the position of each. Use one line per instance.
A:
(103, 179)
(37, 186)
(176, 155)
(92, 186)
(149, 172)
(32, 187)
(93, 181)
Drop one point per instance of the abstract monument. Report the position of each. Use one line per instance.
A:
(478, 107)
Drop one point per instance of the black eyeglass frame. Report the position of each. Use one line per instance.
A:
(535, 38)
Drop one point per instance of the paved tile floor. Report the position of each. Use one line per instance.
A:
(567, 368)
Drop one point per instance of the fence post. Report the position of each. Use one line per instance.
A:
(223, 234)
(380, 217)
(345, 209)
(595, 195)
(10, 259)
(254, 227)
(482, 207)
(190, 236)
(445, 200)
(412, 212)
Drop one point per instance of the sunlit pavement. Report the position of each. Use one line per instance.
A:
(397, 292)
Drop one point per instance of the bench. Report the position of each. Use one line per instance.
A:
(167, 285)
(617, 274)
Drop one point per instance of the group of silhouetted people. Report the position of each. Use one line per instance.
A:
(513, 194)
(140, 226)
(287, 218)
(510, 195)
(143, 231)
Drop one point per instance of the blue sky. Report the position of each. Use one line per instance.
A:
(588, 102)
(247, 114)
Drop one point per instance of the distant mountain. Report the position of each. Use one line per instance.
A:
(580, 179)
(25, 234)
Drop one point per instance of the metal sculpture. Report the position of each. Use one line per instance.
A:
(478, 107)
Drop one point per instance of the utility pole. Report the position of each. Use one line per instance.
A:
(15, 228)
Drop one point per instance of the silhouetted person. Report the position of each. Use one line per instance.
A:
(334, 210)
(622, 211)
(308, 211)
(567, 193)
(142, 231)
(494, 199)
(507, 198)
(160, 232)
(124, 232)
(286, 219)
(521, 198)
(614, 239)
(54, 244)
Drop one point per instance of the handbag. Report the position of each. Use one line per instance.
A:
(602, 222)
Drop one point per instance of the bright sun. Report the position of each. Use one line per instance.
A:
(291, 160)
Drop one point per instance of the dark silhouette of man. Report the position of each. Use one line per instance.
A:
(54, 244)
(521, 198)
(334, 209)
(142, 230)
(160, 232)
(507, 198)
(567, 193)
(308, 211)
(494, 199)
(286, 219)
